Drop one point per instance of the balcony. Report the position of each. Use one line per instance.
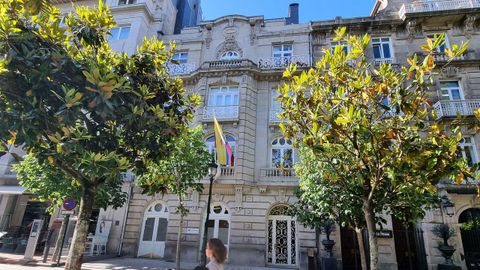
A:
(181, 69)
(440, 5)
(227, 171)
(226, 64)
(220, 112)
(278, 175)
(274, 119)
(450, 108)
(283, 62)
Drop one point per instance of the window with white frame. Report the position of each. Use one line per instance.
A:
(344, 45)
(467, 150)
(126, 2)
(451, 90)
(382, 48)
(119, 33)
(443, 45)
(282, 51)
(210, 143)
(229, 55)
(282, 153)
(219, 223)
(224, 96)
(181, 57)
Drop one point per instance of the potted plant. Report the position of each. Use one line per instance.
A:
(327, 227)
(444, 232)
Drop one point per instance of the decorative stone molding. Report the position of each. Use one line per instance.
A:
(281, 196)
(218, 197)
(319, 39)
(208, 39)
(262, 189)
(195, 200)
(411, 29)
(469, 25)
(450, 71)
(238, 198)
(230, 43)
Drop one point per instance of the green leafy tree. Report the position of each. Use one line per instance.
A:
(369, 131)
(72, 102)
(179, 174)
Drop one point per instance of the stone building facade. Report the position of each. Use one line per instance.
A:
(235, 63)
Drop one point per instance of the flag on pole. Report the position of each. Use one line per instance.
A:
(223, 149)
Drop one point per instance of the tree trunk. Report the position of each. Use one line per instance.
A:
(372, 239)
(57, 252)
(179, 235)
(361, 248)
(77, 248)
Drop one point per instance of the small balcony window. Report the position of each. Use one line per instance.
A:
(181, 57)
(443, 45)
(282, 154)
(210, 143)
(467, 150)
(382, 48)
(230, 55)
(119, 33)
(451, 90)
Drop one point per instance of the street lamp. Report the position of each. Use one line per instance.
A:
(448, 207)
(212, 172)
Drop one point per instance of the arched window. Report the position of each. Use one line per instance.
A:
(282, 153)
(229, 55)
(210, 143)
(154, 230)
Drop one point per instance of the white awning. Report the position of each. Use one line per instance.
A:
(12, 190)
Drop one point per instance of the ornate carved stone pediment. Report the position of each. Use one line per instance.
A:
(230, 44)
(469, 25)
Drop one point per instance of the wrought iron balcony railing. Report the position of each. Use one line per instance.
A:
(379, 61)
(283, 62)
(220, 112)
(181, 69)
(450, 108)
(440, 5)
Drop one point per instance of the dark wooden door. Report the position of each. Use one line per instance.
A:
(408, 242)
(471, 248)
(350, 251)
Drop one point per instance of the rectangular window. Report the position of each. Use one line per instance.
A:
(282, 51)
(467, 150)
(223, 96)
(126, 2)
(451, 90)
(119, 33)
(181, 57)
(382, 48)
(441, 48)
(345, 47)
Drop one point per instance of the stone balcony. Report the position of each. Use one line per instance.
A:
(450, 108)
(226, 113)
(439, 5)
(283, 62)
(227, 64)
(280, 176)
(181, 69)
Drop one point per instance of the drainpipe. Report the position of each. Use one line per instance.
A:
(127, 208)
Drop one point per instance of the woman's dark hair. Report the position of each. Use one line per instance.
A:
(218, 248)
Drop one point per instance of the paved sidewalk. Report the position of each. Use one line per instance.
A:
(118, 263)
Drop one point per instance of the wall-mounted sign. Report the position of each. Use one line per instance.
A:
(192, 231)
(384, 233)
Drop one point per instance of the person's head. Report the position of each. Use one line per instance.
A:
(216, 249)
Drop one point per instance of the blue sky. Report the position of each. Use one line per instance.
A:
(309, 9)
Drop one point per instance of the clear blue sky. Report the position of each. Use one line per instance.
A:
(310, 10)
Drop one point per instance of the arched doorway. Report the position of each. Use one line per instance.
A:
(154, 231)
(470, 231)
(281, 235)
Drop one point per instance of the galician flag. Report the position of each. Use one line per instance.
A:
(223, 149)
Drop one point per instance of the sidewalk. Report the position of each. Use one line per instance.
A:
(14, 262)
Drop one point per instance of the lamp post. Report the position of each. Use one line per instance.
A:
(448, 207)
(212, 171)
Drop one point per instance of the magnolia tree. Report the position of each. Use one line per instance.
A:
(370, 147)
(73, 103)
(179, 174)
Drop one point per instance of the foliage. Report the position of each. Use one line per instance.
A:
(367, 129)
(471, 224)
(49, 183)
(181, 171)
(444, 232)
(72, 102)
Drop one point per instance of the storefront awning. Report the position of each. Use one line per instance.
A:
(12, 190)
